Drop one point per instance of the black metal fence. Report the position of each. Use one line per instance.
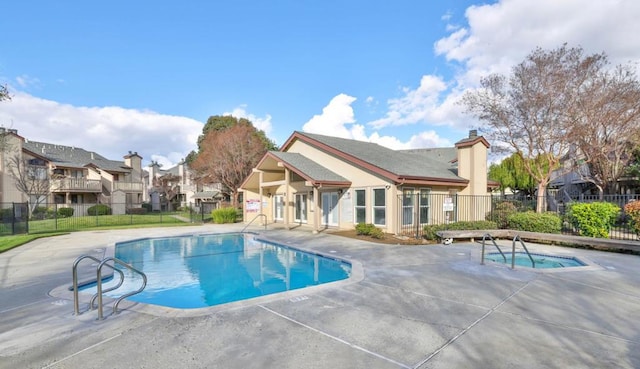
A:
(19, 218)
(418, 210)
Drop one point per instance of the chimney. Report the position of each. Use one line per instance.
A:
(473, 133)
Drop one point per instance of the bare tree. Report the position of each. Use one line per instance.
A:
(32, 179)
(530, 111)
(607, 122)
(228, 156)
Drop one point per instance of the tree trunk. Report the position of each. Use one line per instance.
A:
(541, 203)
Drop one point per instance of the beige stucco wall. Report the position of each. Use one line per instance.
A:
(9, 193)
(472, 165)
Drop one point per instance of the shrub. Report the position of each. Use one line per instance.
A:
(369, 230)
(530, 221)
(224, 215)
(632, 211)
(65, 212)
(500, 213)
(41, 212)
(137, 211)
(430, 231)
(593, 219)
(7, 214)
(147, 206)
(364, 228)
(99, 209)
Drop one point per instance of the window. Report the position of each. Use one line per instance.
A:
(360, 207)
(407, 206)
(379, 206)
(424, 205)
(38, 173)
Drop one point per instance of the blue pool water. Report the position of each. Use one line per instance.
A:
(541, 261)
(207, 270)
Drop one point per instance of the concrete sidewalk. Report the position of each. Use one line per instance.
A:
(429, 306)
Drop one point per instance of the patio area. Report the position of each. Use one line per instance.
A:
(423, 306)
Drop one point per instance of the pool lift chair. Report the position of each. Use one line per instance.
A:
(109, 262)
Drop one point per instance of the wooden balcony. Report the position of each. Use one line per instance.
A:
(76, 185)
(128, 186)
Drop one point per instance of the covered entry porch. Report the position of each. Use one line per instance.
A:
(290, 189)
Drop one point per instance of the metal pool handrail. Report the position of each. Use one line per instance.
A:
(99, 285)
(74, 272)
(256, 217)
(513, 252)
(487, 235)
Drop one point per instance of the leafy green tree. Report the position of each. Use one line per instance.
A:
(228, 149)
(511, 173)
(219, 123)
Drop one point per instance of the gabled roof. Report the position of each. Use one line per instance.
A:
(73, 157)
(397, 166)
(308, 169)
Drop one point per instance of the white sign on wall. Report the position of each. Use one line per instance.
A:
(448, 204)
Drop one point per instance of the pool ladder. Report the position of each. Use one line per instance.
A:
(256, 217)
(513, 250)
(100, 291)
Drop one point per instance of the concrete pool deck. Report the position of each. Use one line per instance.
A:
(430, 306)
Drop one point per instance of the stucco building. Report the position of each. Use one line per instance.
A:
(327, 182)
(75, 177)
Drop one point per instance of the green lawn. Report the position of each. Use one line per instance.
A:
(9, 242)
(54, 227)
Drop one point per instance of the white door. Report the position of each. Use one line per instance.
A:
(301, 208)
(330, 208)
(278, 207)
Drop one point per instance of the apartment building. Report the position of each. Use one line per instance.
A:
(73, 176)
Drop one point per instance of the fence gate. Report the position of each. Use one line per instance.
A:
(15, 218)
(413, 213)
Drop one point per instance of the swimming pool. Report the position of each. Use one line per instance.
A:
(205, 270)
(542, 261)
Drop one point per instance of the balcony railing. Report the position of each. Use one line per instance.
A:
(76, 184)
(128, 186)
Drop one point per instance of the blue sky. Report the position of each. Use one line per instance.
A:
(145, 75)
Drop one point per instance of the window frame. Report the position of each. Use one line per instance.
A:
(357, 207)
(375, 208)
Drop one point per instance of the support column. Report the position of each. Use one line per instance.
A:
(316, 209)
(261, 196)
(287, 195)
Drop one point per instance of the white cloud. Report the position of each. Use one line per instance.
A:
(337, 120)
(26, 81)
(424, 104)
(263, 124)
(110, 131)
(500, 35)
(334, 119)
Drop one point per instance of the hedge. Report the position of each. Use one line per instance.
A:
(99, 209)
(65, 212)
(430, 231)
(593, 219)
(224, 215)
(530, 221)
(500, 213)
(369, 230)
